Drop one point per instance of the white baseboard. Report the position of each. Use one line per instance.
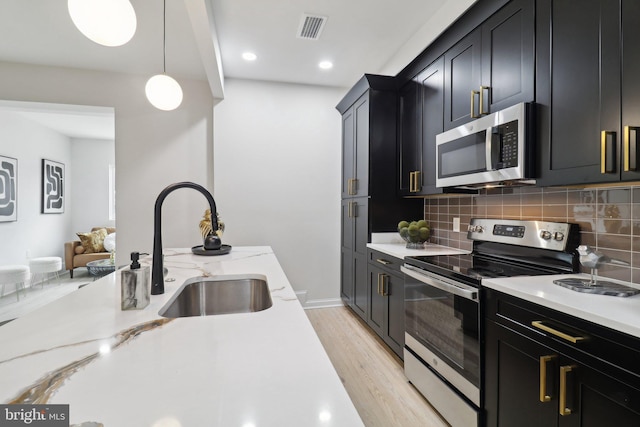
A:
(322, 303)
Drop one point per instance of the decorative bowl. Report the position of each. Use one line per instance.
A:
(415, 233)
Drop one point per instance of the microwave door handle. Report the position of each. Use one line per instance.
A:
(488, 146)
(493, 148)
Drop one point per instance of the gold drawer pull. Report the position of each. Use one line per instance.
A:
(564, 370)
(540, 325)
(383, 261)
(544, 397)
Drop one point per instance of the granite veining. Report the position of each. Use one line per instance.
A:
(42, 390)
(221, 370)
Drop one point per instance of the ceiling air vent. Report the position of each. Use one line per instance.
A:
(311, 26)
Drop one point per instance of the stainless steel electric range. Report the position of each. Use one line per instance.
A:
(442, 353)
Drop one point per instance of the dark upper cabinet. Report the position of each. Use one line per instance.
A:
(421, 119)
(588, 91)
(410, 145)
(508, 56)
(355, 149)
(462, 81)
(492, 67)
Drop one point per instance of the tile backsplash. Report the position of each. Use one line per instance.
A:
(609, 218)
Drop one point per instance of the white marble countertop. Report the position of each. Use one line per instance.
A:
(622, 314)
(399, 250)
(134, 368)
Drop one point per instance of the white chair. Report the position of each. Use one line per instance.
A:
(41, 267)
(16, 275)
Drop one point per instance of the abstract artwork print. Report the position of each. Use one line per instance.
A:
(52, 187)
(8, 189)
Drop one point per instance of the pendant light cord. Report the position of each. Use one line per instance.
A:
(164, 37)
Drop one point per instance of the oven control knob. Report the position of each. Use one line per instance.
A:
(558, 236)
(546, 235)
(479, 229)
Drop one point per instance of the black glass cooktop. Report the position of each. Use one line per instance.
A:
(472, 268)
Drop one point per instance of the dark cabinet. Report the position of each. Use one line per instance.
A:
(355, 149)
(492, 67)
(354, 234)
(386, 309)
(540, 378)
(370, 202)
(421, 119)
(462, 81)
(588, 91)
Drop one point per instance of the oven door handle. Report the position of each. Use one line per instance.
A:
(460, 290)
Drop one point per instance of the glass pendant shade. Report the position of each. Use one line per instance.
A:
(106, 22)
(163, 92)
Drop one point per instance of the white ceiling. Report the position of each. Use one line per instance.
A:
(360, 36)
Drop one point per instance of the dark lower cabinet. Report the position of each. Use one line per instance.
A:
(539, 378)
(355, 235)
(386, 293)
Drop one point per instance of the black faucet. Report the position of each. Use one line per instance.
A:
(157, 276)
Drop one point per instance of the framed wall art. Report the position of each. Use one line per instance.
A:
(52, 187)
(8, 189)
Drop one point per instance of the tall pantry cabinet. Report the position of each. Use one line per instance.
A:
(370, 202)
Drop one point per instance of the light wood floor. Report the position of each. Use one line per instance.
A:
(371, 373)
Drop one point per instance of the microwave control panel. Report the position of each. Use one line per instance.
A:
(508, 140)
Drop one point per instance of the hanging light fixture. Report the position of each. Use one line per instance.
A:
(163, 92)
(106, 22)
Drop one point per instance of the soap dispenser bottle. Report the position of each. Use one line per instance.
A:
(136, 285)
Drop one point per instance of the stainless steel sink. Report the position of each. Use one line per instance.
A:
(205, 296)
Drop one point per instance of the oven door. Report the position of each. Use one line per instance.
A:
(442, 328)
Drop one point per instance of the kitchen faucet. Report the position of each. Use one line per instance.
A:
(157, 276)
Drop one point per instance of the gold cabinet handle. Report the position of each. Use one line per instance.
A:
(604, 139)
(473, 97)
(379, 293)
(385, 283)
(540, 325)
(630, 148)
(354, 210)
(564, 370)
(544, 397)
(352, 186)
(383, 261)
(417, 179)
(482, 89)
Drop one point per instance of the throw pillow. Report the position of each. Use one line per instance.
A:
(79, 250)
(110, 242)
(93, 241)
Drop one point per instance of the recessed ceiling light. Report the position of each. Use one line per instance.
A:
(325, 65)
(249, 56)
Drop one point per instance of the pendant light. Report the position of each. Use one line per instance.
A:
(163, 92)
(106, 22)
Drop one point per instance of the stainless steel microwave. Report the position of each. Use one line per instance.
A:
(497, 149)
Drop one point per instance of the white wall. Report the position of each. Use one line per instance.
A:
(40, 234)
(88, 199)
(153, 148)
(430, 30)
(277, 177)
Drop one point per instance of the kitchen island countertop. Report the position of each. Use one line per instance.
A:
(135, 368)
